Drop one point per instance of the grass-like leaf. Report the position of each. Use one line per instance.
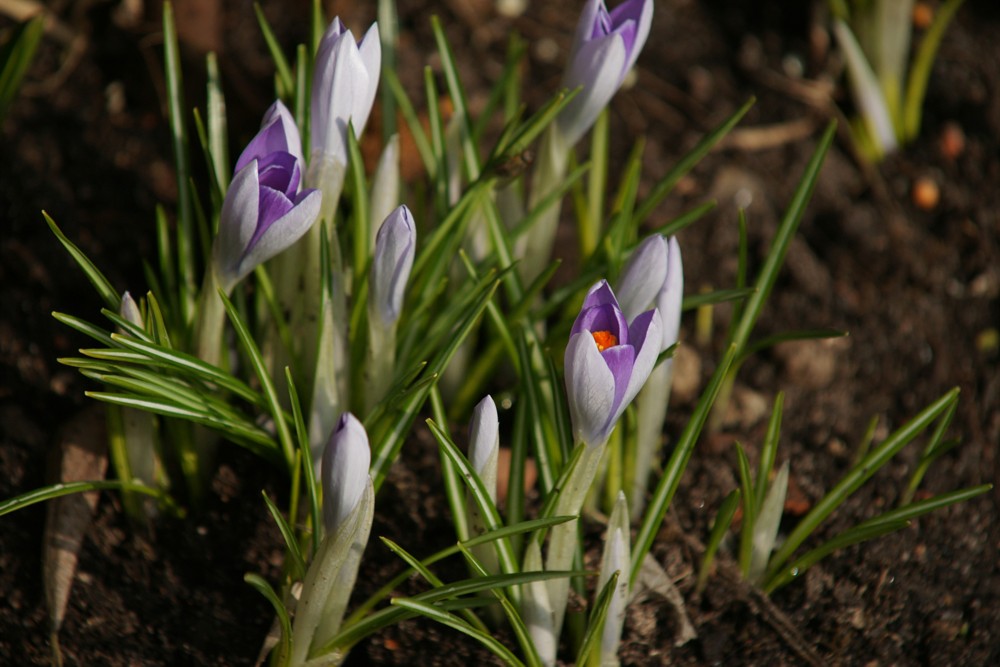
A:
(857, 476)
(298, 566)
(723, 519)
(68, 488)
(108, 293)
(264, 588)
(452, 621)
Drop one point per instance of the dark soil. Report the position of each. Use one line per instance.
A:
(917, 288)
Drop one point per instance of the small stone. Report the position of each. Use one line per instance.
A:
(926, 194)
(923, 15)
(687, 375)
(951, 143)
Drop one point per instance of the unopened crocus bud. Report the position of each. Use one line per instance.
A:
(607, 362)
(395, 248)
(265, 210)
(346, 462)
(643, 276)
(345, 78)
(129, 309)
(484, 443)
(605, 48)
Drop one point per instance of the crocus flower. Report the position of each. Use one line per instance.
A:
(484, 443)
(671, 295)
(607, 362)
(344, 83)
(345, 470)
(654, 275)
(643, 276)
(605, 48)
(265, 210)
(395, 248)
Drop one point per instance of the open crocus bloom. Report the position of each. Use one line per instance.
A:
(264, 211)
(605, 48)
(607, 362)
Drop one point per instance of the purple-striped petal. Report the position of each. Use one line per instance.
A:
(590, 388)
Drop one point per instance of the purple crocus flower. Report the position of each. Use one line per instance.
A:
(344, 473)
(344, 83)
(607, 362)
(605, 48)
(395, 248)
(265, 210)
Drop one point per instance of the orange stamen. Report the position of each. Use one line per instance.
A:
(604, 340)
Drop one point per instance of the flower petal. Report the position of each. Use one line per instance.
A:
(284, 231)
(370, 52)
(646, 336)
(346, 461)
(598, 66)
(643, 276)
(278, 133)
(638, 13)
(621, 361)
(590, 389)
(671, 295)
(395, 248)
(237, 223)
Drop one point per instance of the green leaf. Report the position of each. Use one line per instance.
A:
(857, 476)
(723, 519)
(15, 58)
(920, 72)
(264, 588)
(590, 647)
(452, 621)
(480, 495)
(687, 163)
(749, 510)
(298, 567)
(67, 488)
(108, 293)
(185, 217)
(286, 84)
(264, 376)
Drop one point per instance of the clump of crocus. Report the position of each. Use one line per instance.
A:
(264, 212)
(654, 275)
(605, 47)
(607, 361)
(348, 509)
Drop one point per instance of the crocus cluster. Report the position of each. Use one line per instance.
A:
(265, 210)
(607, 361)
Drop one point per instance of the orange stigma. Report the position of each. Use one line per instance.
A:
(604, 340)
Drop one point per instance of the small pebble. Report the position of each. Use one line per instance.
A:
(926, 193)
(923, 15)
(952, 141)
